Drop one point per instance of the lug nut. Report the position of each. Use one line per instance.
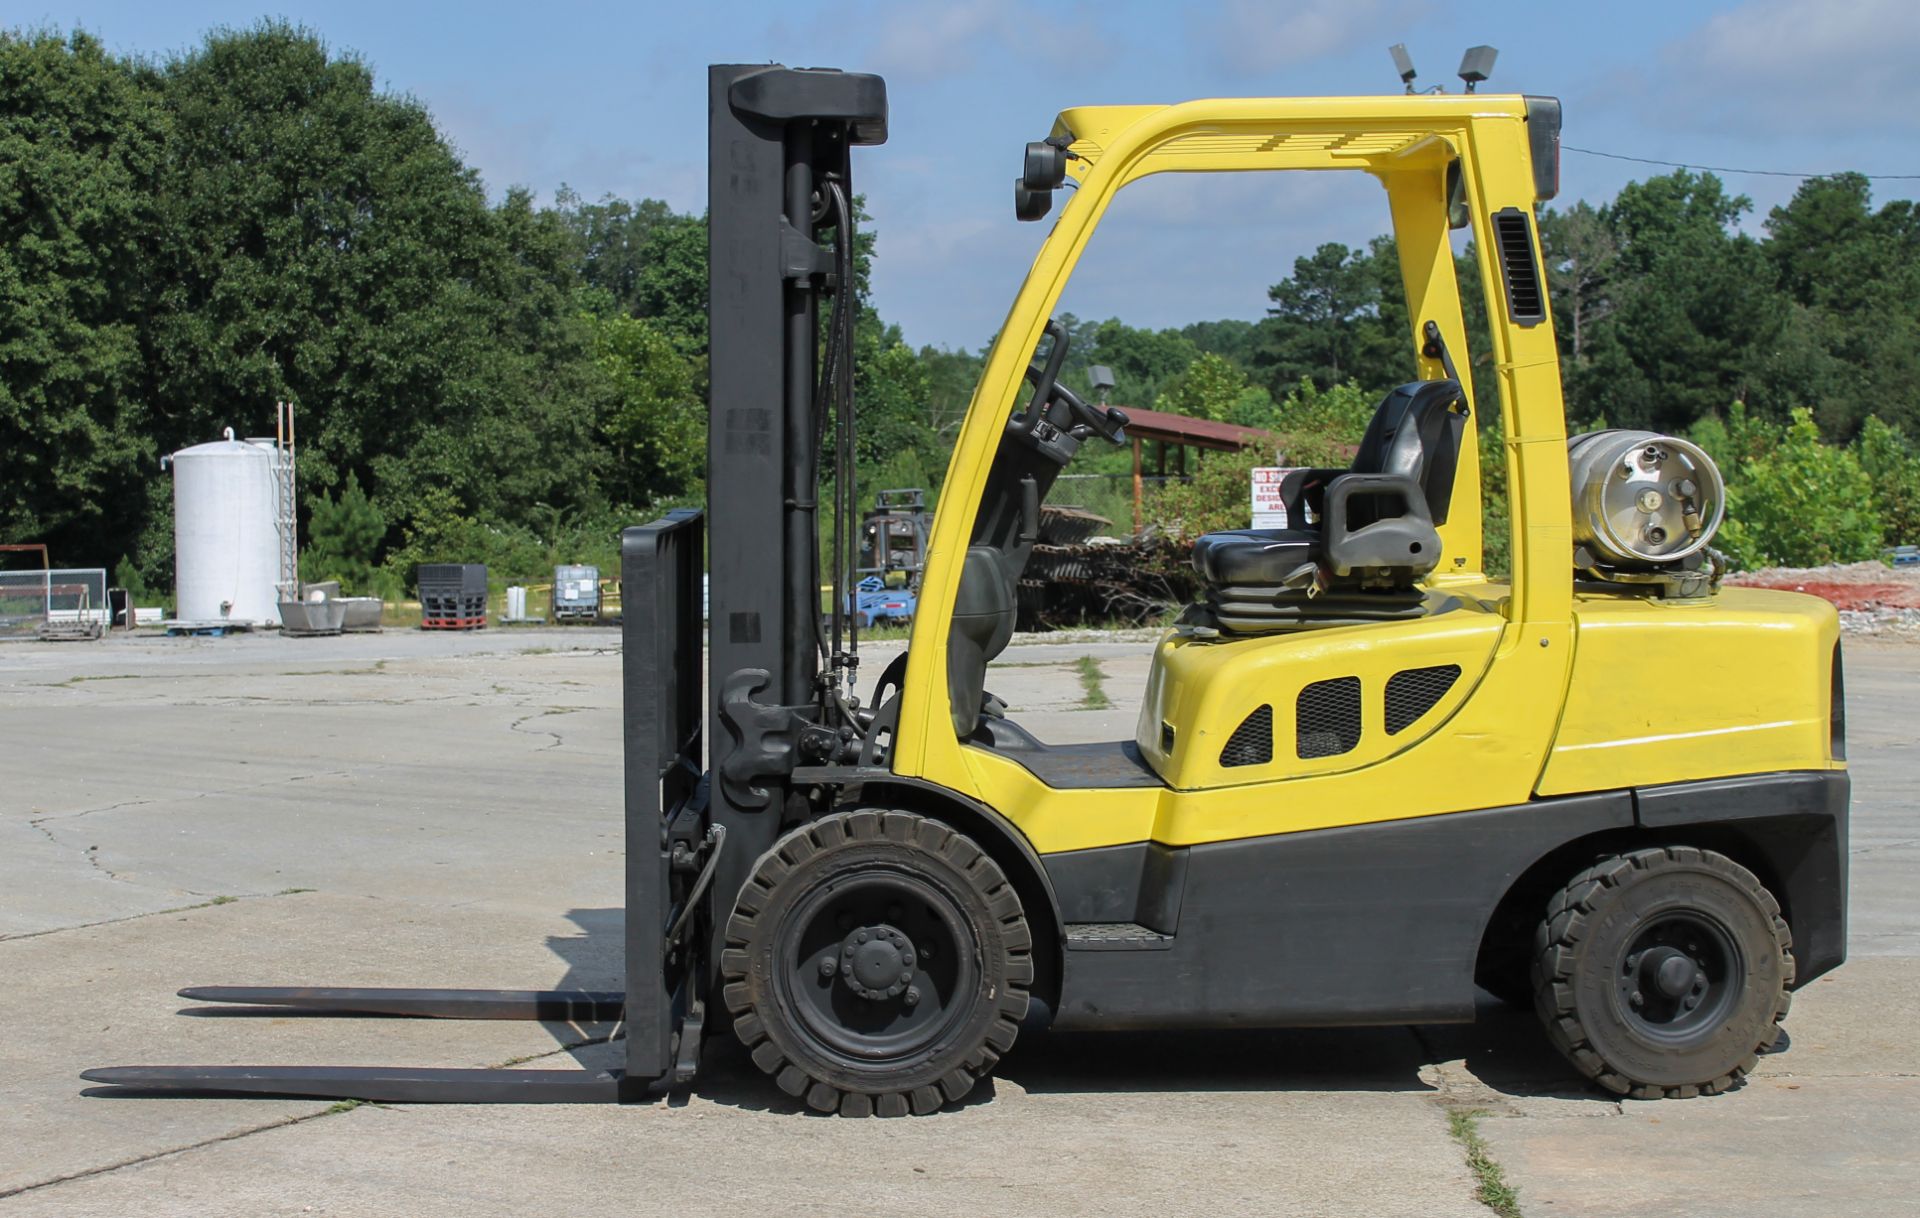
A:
(861, 937)
(907, 958)
(913, 995)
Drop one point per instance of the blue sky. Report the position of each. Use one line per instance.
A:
(611, 99)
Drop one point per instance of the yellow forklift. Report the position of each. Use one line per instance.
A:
(1368, 779)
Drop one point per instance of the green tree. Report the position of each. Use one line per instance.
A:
(1798, 501)
(1341, 315)
(320, 241)
(1218, 496)
(1583, 258)
(1893, 467)
(1695, 310)
(82, 139)
(1317, 427)
(1852, 344)
(1142, 361)
(671, 285)
(658, 426)
(611, 241)
(344, 536)
(1210, 388)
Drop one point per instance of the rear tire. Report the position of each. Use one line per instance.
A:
(1663, 973)
(877, 962)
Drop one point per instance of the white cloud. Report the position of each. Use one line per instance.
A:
(1839, 67)
(1253, 37)
(928, 39)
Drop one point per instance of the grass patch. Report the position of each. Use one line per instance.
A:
(190, 908)
(289, 892)
(344, 1106)
(1092, 684)
(1490, 1184)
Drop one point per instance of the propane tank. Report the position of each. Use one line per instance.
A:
(1641, 499)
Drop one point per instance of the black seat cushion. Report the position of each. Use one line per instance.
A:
(1256, 557)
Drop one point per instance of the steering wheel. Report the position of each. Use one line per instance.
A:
(1105, 421)
(1108, 422)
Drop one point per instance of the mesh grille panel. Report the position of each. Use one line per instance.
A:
(1327, 718)
(1513, 236)
(1251, 742)
(1413, 692)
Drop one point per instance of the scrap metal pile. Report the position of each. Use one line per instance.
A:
(1076, 577)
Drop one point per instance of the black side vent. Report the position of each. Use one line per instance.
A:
(1526, 299)
(1327, 718)
(1251, 742)
(1412, 692)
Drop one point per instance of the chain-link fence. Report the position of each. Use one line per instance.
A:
(31, 602)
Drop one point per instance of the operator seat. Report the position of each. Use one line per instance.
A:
(1365, 535)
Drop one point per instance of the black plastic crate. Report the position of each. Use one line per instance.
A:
(452, 594)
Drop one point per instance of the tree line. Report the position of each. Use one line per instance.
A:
(187, 240)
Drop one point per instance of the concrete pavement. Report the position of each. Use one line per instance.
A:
(414, 809)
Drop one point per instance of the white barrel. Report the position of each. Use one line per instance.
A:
(226, 547)
(1641, 498)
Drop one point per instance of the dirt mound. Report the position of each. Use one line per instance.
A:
(1859, 586)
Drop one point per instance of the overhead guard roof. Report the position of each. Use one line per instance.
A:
(1377, 133)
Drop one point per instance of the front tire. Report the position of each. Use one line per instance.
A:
(877, 962)
(1663, 973)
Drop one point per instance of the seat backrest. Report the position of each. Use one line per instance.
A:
(1417, 432)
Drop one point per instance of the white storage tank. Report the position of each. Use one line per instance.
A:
(226, 542)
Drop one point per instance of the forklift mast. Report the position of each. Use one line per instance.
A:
(780, 173)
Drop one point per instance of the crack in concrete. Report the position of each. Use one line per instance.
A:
(37, 821)
(169, 1152)
(212, 901)
(333, 1108)
(90, 853)
(557, 739)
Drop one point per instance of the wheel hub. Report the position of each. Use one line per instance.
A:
(1669, 970)
(1679, 977)
(876, 962)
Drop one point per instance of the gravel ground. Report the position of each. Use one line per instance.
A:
(1873, 598)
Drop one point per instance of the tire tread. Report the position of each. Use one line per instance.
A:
(908, 829)
(1569, 917)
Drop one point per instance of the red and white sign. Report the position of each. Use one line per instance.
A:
(1269, 509)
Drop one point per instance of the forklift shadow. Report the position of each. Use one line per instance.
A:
(1504, 1051)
